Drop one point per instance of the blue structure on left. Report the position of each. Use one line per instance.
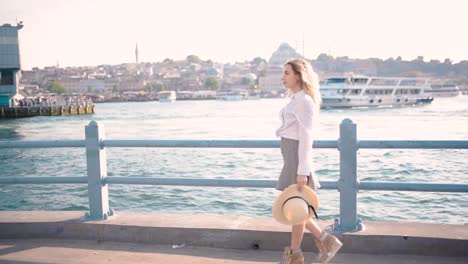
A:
(10, 66)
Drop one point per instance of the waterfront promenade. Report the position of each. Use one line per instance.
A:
(102, 235)
(130, 237)
(84, 252)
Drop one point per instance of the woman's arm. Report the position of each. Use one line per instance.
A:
(305, 115)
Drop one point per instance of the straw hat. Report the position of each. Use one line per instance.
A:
(293, 207)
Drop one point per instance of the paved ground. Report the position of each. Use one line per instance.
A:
(34, 251)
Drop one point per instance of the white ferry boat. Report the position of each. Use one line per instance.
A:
(232, 95)
(443, 89)
(167, 96)
(366, 91)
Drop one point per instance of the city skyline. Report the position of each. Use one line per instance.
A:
(87, 33)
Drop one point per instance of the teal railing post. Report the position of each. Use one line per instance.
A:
(97, 172)
(348, 182)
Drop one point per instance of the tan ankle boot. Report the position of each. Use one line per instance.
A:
(328, 246)
(292, 257)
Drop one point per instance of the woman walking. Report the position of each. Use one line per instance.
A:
(298, 123)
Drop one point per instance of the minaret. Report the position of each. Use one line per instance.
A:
(303, 44)
(136, 53)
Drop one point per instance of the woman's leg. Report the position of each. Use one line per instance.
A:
(313, 227)
(327, 244)
(293, 254)
(296, 236)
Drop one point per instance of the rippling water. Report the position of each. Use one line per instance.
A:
(256, 119)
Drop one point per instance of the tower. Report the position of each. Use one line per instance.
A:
(10, 66)
(136, 53)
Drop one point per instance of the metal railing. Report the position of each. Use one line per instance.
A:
(348, 184)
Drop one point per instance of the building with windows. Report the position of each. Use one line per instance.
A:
(271, 82)
(10, 67)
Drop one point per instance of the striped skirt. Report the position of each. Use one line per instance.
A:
(290, 153)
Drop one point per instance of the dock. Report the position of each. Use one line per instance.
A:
(30, 111)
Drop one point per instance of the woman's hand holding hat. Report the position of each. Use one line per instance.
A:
(301, 180)
(292, 207)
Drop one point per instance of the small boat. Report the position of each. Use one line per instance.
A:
(232, 95)
(443, 89)
(167, 96)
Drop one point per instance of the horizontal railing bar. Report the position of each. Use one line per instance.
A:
(363, 144)
(207, 143)
(202, 182)
(43, 144)
(413, 144)
(43, 180)
(383, 186)
(191, 182)
(412, 186)
(375, 186)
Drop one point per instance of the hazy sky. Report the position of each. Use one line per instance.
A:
(92, 32)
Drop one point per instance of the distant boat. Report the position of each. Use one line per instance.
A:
(167, 96)
(363, 91)
(441, 89)
(232, 95)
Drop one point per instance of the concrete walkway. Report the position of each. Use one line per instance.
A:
(130, 237)
(34, 251)
(233, 232)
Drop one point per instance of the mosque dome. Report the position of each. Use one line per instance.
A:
(283, 53)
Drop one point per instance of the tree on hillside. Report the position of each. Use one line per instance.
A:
(56, 87)
(149, 87)
(257, 61)
(168, 61)
(159, 87)
(211, 83)
(324, 57)
(194, 59)
(115, 89)
(245, 81)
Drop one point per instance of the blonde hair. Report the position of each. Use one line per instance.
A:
(307, 77)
